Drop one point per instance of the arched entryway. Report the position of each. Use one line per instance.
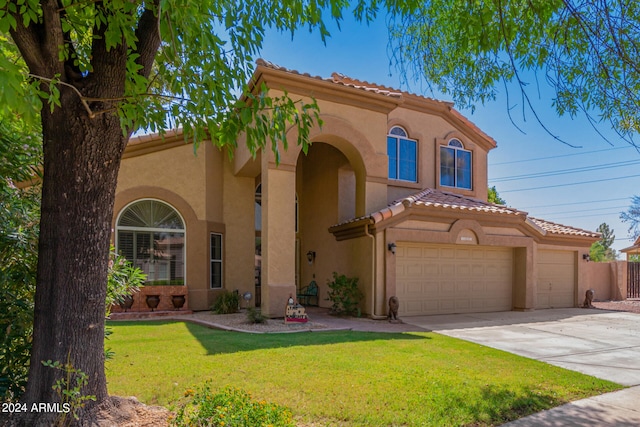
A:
(326, 188)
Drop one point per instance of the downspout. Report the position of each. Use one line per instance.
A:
(374, 316)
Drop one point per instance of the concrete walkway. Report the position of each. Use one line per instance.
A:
(600, 343)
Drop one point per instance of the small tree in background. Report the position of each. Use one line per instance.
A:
(494, 197)
(601, 250)
(632, 217)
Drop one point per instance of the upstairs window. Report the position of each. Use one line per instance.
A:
(455, 165)
(151, 235)
(403, 155)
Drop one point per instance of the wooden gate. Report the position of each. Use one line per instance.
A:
(633, 280)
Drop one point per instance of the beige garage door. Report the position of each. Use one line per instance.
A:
(441, 279)
(556, 279)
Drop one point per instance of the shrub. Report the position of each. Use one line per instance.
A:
(229, 408)
(255, 316)
(345, 295)
(19, 214)
(123, 279)
(227, 303)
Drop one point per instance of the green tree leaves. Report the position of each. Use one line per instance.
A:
(586, 51)
(601, 250)
(632, 217)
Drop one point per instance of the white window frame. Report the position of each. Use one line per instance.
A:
(399, 137)
(152, 230)
(457, 146)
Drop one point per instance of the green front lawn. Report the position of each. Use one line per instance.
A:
(342, 378)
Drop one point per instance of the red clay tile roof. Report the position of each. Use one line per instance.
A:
(446, 200)
(347, 81)
(451, 201)
(554, 228)
(339, 78)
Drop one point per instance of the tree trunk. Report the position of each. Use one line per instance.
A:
(81, 162)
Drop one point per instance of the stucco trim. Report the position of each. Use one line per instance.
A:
(145, 144)
(130, 195)
(292, 82)
(467, 224)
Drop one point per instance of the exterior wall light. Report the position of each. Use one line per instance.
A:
(392, 248)
(586, 257)
(311, 256)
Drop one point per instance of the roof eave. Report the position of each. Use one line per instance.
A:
(319, 88)
(352, 229)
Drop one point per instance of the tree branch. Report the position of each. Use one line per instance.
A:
(521, 83)
(28, 42)
(83, 100)
(148, 34)
(52, 37)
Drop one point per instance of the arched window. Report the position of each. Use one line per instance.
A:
(403, 155)
(151, 234)
(455, 165)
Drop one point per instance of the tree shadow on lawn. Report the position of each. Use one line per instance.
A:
(499, 405)
(217, 341)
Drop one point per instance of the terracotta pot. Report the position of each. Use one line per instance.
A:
(153, 301)
(178, 301)
(126, 302)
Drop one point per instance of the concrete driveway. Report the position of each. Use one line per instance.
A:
(604, 344)
(600, 343)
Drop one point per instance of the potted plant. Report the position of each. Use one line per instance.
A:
(126, 303)
(178, 301)
(153, 301)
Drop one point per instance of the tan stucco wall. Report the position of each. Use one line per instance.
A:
(239, 219)
(177, 170)
(204, 191)
(600, 279)
(607, 279)
(433, 131)
(278, 237)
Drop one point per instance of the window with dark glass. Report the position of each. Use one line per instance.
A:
(403, 155)
(455, 165)
(151, 235)
(216, 260)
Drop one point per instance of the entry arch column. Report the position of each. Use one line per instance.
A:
(278, 236)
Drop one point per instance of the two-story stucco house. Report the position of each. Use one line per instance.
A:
(393, 191)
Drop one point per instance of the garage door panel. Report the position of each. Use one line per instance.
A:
(446, 270)
(463, 270)
(430, 270)
(447, 254)
(459, 279)
(463, 287)
(556, 279)
(463, 254)
(413, 270)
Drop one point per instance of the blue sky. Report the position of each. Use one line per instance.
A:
(585, 198)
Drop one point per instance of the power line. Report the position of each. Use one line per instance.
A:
(602, 214)
(556, 157)
(575, 203)
(569, 184)
(582, 210)
(566, 171)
